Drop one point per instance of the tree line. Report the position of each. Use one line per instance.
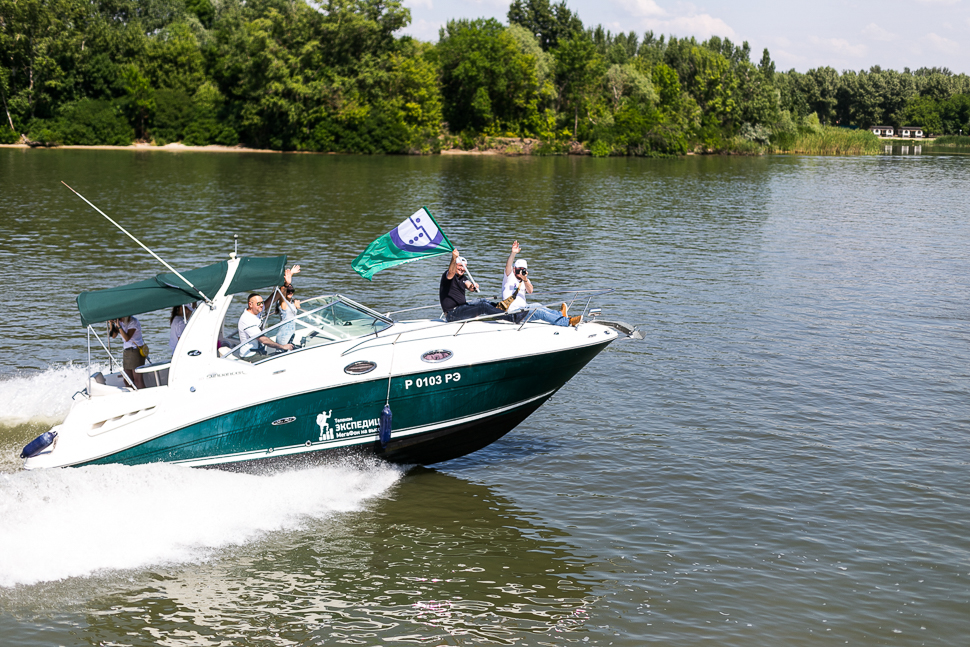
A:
(334, 76)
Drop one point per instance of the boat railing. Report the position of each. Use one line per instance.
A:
(590, 294)
(578, 294)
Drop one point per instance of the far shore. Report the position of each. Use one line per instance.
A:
(496, 146)
(178, 147)
(172, 148)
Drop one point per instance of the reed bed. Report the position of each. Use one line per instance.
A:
(835, 141)
(952, 140)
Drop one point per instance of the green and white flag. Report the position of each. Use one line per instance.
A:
(417, 237)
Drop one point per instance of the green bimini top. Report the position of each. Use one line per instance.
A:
(167, 290)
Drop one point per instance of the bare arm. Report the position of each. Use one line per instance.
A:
(126, 334)
(508, 264)
(266, 341)
(453, 266)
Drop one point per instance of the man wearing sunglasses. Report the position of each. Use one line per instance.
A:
(249, 328)
(517, 278)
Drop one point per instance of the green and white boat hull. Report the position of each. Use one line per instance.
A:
(430, 424)
(453, 388)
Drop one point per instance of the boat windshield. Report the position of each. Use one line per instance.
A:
(319, 321)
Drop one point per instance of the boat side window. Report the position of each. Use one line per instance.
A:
(320, 321)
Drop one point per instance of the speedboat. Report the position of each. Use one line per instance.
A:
(440, 390)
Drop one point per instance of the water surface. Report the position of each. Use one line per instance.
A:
(782, 460)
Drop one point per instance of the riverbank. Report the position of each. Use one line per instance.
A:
(824, 141)
(176, 147)
(508, 146)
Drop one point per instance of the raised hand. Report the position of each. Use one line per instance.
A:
(515, 247)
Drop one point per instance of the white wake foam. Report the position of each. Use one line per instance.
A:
(56, 524)
(42, 396)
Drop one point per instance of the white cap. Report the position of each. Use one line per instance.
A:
(521, 263)
(461, 261)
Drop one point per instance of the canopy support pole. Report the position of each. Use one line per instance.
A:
(111, 357)
(89, 363)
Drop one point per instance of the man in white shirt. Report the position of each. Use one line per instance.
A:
(249, 328)
(517, 278)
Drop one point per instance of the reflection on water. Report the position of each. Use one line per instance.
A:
(919, 148)
(434, 558)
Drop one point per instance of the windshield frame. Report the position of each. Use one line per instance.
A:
(331, 300)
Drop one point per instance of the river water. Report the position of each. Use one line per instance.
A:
(781, 461)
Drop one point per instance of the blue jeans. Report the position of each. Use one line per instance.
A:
(478, 308)
(541, 313)
(286, 333)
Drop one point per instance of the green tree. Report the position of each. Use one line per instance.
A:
(140, 98)
(712, 85)
(820, 87)
(174, 59)
(207, 123)
(925, 112)
(644, 130)
(936, 84)
(173, 113)
(289, 70)
(791, 97)
(90, 122)
(487, 81)
(415, 96)
(767, 66)
(579, 73)
(758, 100)
(626, 82)
(37, 50)
(954, 115)
(550, 23)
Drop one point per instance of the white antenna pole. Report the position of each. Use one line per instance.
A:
(157, 257)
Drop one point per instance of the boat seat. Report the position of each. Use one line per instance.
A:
(99, 378)
(154, 374)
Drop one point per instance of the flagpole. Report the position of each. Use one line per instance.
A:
(450, 244)
(470, 278)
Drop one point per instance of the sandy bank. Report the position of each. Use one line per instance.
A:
(171, 148)
(506, 146)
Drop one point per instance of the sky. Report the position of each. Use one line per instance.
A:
(846, 35)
